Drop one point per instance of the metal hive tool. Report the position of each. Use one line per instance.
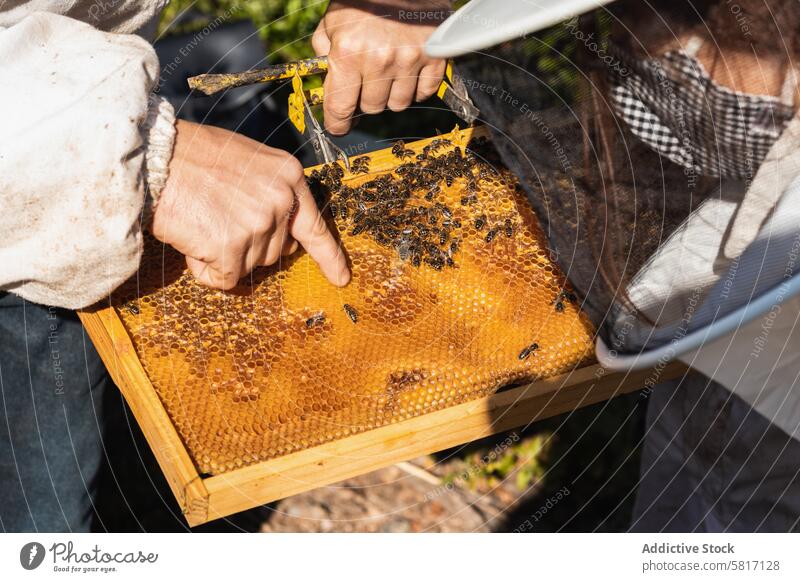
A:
(287, 361)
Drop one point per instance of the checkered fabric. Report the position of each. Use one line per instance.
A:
(673, 106)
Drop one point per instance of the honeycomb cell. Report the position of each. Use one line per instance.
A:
(435, 314)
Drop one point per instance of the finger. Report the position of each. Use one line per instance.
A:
(210, 276)
(310, 230)
(342, 88)
(375, 94)
(257, 253)
(273, 233)
(377, 82)
(320, 40)
(276, 244)
(402, 93)
(430, 77)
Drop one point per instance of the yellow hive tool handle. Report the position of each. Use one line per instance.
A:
(297, 105)
(448, 76)
(214, 83)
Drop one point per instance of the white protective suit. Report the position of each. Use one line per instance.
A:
(82, 143)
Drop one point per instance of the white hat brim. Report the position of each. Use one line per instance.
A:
(481, 24)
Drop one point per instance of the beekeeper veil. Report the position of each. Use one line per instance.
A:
(669, 199)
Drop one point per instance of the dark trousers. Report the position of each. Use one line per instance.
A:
(710, 463)
(52, 384)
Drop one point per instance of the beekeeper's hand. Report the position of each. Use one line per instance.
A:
(231, 204)
(376, 56)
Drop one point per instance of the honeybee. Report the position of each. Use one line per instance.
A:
(360, 165)
(316, 319)
(400, 151)
(435, 146)
(527, 351)
(509, 228)
(437, 263)
(351, 312)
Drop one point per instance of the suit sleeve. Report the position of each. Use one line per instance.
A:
(83, 142)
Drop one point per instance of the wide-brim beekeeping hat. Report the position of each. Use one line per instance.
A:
(484, 23)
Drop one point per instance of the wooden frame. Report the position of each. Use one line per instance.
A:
(203, 499)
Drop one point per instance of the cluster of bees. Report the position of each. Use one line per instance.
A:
(400, 209)
(507, 227)
(562, 295)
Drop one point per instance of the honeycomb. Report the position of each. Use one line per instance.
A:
(446, 304)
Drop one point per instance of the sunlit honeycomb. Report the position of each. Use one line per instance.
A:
(287, 361)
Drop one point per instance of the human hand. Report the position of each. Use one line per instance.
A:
(376, 56)
(232, 204)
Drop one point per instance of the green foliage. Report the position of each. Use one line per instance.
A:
(285, 25)
(525, 461)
